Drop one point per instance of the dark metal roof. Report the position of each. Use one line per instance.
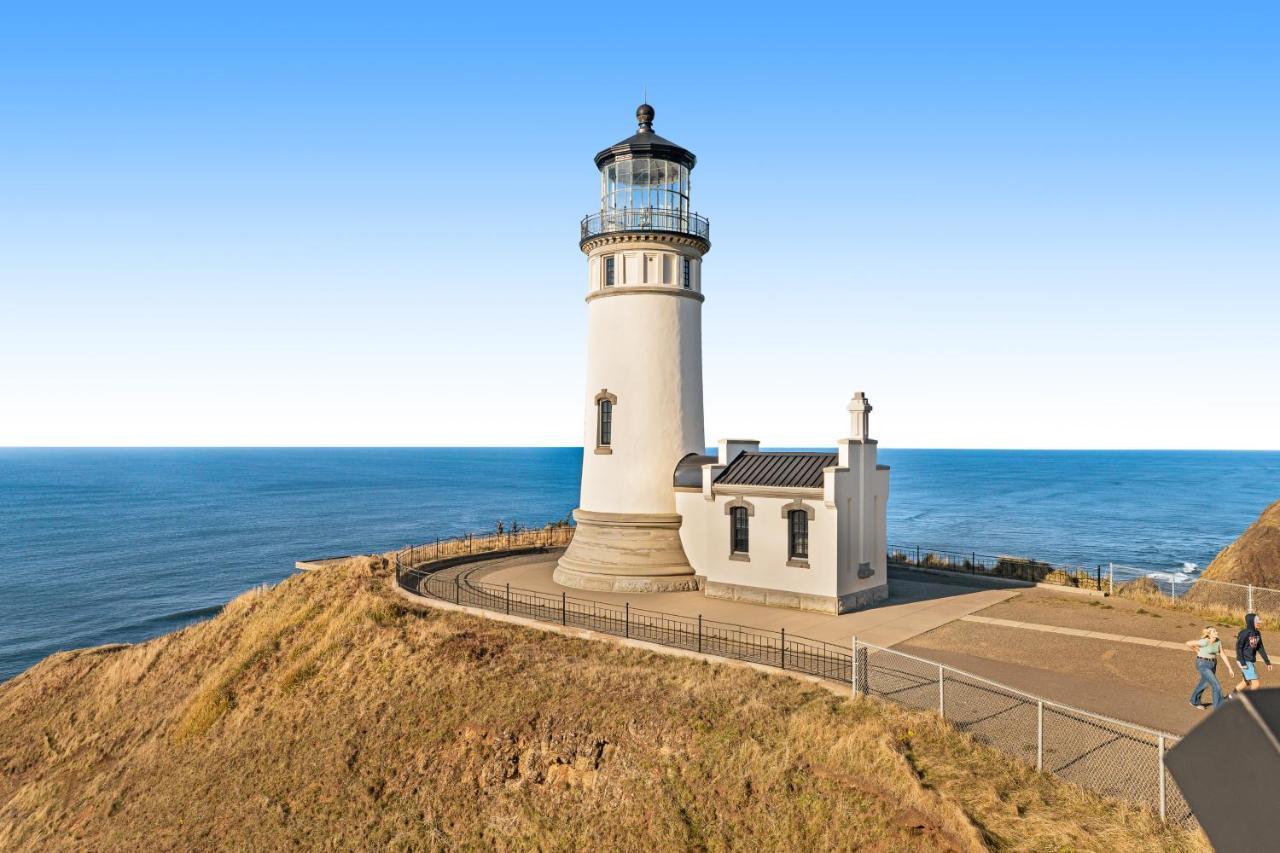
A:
(791, 470)
(689, 470)
(646, 143)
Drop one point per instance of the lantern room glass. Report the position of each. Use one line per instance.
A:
(644, 183)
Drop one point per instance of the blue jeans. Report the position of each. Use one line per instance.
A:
(1208, 678)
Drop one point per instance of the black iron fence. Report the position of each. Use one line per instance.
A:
(693, 633)
(1000, 566)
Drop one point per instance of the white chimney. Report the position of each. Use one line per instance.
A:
(860, 417)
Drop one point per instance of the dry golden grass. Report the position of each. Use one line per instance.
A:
(326, 713)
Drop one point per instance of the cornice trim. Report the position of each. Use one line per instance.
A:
(628, 290)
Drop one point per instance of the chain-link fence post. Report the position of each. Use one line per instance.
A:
(508, 599)
(853, 679)
(783, 648)
(1111, 578)
(1040, 734)
(1250, 598)
(699, 633)
(626, 616)
(564, 613)
(942, 698)
(1160, 768)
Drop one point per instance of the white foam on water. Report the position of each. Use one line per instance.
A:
(1170, 577)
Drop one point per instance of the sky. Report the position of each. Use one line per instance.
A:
(1041, 225)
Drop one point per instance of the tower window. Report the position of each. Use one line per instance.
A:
(686, 277)
(604, 437)
(798, 544)
(739, 539)
(608, 271)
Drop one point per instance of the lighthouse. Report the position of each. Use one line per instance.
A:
(643, 398)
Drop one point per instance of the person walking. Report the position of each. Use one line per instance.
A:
(1208, 649)
(1248, 647)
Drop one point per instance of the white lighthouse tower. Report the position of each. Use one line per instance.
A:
(643, 400)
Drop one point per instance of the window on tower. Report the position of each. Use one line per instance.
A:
(686, 275)
(608, 271)
(738, 534)
(604, 432)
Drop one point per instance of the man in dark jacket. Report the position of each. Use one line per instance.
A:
(1248, 648)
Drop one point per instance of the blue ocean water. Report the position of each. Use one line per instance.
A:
(118, 545)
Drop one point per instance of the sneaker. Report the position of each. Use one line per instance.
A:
(1197, 706)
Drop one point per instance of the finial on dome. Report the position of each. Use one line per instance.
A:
(644, 116)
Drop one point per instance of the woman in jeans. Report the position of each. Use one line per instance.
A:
(1208, 649)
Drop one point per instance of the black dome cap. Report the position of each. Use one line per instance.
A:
(646, 143)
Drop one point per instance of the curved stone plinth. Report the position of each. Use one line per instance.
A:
(625, 552)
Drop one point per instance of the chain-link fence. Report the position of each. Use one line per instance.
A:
(1187, 592)
(1112, 757)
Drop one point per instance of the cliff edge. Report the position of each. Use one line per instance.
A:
(326, 712)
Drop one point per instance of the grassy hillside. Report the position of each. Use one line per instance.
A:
(323, 712)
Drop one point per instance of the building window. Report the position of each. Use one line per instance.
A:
(604, 437)
(798, 523)
(739, 539)
(608, 271)
(686, 277)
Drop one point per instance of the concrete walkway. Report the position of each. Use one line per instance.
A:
(914, 607)
(1075, 632)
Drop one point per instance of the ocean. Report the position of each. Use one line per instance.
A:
(117, 545)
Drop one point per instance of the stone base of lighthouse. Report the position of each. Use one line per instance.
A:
(624, 552)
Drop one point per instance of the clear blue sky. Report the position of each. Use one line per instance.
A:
(1015, 225)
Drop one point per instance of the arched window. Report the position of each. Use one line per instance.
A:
(739, 539)
(798, 538)
(604, 435)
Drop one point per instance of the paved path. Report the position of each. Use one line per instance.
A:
(914, 607)
(1076, 632)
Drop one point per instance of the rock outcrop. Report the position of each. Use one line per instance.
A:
(1254, 558)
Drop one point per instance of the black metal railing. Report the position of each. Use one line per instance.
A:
(693, 633)
(1000, 566)
(646, 219)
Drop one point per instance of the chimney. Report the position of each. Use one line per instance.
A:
(860, 417)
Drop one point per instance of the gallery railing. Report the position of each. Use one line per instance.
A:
(1110, 756)
(645, 219)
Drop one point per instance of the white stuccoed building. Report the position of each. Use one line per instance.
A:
(804, 530)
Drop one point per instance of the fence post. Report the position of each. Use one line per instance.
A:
(854, 679)
(626, 629)
(1160, 768)
(508, 599)
(973, 562)
(468, 543)
(917, 556)
(1098, 578)
(942, 701)
(1250, 598)
(784, 648)
(1040, 734)
(1111, 575)
(457, 589)
(699, 633)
